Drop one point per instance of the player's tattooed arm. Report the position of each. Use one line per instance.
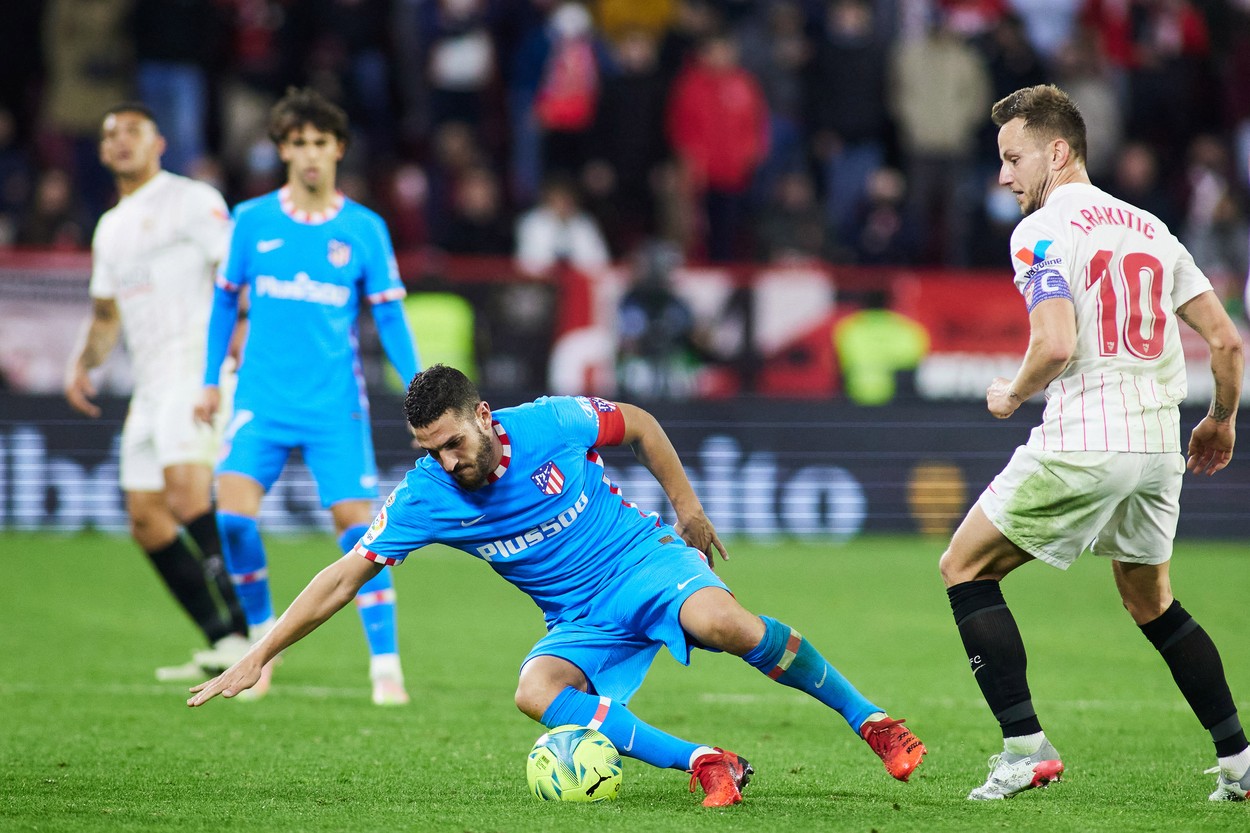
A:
(99, 336)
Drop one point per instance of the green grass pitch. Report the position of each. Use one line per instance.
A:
(90, 741)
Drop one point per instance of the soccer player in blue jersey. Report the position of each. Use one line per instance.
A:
(307, 256)
(525, 490)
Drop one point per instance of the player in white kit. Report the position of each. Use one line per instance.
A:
(1104, 283)
(154, 257)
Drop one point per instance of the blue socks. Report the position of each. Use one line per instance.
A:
(630, 735)
(245, 561)
(785, 656)
(375, 601)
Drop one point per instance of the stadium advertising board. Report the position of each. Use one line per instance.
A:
(764, 469)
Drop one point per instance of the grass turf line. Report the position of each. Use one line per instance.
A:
(91, 742)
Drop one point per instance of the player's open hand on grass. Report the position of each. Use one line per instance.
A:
(698, 532)
(239, 677)
(1211, 446)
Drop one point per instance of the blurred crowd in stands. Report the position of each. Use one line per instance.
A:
(854, 131)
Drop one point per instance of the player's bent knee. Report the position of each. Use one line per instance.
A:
(542, 680)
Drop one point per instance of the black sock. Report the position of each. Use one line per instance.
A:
(1195, 665)
(184, 577)
(203, 530)
(996, 654)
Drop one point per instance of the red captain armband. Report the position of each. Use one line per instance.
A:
(611, 422)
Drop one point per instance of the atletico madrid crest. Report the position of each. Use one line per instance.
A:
(340, 253)
(549, 478)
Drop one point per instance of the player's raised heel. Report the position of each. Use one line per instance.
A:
(723, 776)
(1012, 774)
(1228, 788)
(899, 749)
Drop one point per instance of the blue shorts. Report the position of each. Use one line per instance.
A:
(338, 452)
(616, 641)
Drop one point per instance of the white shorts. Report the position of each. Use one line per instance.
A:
(161, 431)
(1054, 504)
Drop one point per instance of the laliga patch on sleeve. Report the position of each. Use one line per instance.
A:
(1043, 285)
(375, 528)
(603, 406)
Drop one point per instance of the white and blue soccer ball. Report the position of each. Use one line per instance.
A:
(574, 763)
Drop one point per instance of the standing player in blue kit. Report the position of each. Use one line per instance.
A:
(307, 256)
(525, 490)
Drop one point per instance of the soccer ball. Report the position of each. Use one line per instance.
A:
(573, 763)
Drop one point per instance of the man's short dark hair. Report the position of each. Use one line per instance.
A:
(1047, 112)
(304, 106)
(136, 107)
(437, 390)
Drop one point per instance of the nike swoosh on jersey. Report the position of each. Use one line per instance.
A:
(472, 522)
(263, 246)
(682, 585)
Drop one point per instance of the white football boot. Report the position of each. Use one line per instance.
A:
(1011, 773)
(1228, 788)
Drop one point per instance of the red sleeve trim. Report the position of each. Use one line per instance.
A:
(611, 427)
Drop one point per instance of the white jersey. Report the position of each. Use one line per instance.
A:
(1126, 274)
(156, 254)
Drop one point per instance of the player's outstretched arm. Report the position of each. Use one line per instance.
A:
(328, 592)
(98, 338)
(654, 450)
(1212, 440)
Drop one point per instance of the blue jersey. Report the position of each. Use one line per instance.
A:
(549, 520)
(307, 276)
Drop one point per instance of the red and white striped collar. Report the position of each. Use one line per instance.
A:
(505, 453)
(314, 218)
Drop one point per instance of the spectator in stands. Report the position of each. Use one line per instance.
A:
(939, 93)
(1215, 226)
(16, 178)
(557, 231)
(883, 235)
(846, 109)
(878, 350)
(629, 143)
(55, 219)
(174, 42)
(346, 60)
(776, 50)
(1136, 180)
(456, 151)
(88, 53)
(1084, 74)
(459, 60)
(479, 223)
(791, 225)
(718, 125)
(658, 355)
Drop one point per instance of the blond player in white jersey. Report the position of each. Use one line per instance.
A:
(1104, 283)
(154, 257)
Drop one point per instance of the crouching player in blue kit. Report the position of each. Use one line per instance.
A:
(524, 489)
(307, 256)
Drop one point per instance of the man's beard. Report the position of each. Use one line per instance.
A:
(474, 476)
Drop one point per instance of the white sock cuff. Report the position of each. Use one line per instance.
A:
(385, 665)
(1236, 766)
(1024, 744)
(699, 753)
